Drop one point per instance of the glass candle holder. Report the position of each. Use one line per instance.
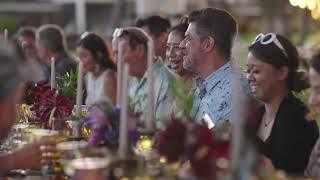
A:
(90, 168)
(67, 151)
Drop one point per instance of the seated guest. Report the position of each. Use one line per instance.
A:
(284, 136)
(175, 54)
(28, 54)
(51, 43)
(30, 156)
(133, 82)
(133, 42)
(313, 167)
(26, 37)
(207, 48)
(157, 28)
(101, 79)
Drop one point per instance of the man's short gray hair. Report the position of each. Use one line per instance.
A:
(53, 37)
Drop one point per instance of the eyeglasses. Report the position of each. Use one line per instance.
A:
(268, 38)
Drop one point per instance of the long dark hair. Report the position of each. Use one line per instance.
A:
(95, 44)
(273, 55)
(182, 26)
(315, 62)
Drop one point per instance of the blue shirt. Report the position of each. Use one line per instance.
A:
(214, 97)
(162, 100)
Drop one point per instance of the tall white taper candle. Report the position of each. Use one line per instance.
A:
(53, 73)
(79, 89)
(5, 39)
(150, 103)
(119, 75)
(123, 138)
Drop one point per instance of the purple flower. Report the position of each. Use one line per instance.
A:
(104, 122)
(97, 117)
(94, 139)
(112, 135)
(134, 136)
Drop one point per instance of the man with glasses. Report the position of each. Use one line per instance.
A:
(133, 44)
(207, 47)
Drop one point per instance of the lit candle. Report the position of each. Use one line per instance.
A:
(150, 102)
(123, 138)
(79, 89)
(119, 75)
(53, 73)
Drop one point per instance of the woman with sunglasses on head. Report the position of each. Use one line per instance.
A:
(101, 77)
(284, 136)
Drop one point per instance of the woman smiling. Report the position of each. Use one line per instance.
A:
(284, 136)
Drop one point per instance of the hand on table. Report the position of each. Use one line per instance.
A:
(32, 156)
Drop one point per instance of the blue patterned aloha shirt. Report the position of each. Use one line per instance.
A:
(213, 96)
(162, 100)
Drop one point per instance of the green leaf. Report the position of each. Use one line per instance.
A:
(182, 96)
(67, 84)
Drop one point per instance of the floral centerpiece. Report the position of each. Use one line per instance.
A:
(174, 137)
(104, 122)
(67, 83)
(46, 102)
(33, 91)
(194, 143)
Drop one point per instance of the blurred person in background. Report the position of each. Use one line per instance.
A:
(285, 137)
(29, 156)
(115, 43)
(27, 51)
(26, 37)
(313, 168)
(157, 28)
(51, 44)
(175, 54)
(100, 81)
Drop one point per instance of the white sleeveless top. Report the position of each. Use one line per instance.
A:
(96, 88)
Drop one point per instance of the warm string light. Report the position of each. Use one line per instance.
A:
(312, 5)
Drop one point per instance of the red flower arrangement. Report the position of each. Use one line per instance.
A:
(44, 100)
(173, 136)
(200, 150)
(34, 90)
(194, 141)
(49, 100)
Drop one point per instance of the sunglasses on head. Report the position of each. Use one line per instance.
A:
(134, 37)
(117, 32)
(268, 38)
(83, 35)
